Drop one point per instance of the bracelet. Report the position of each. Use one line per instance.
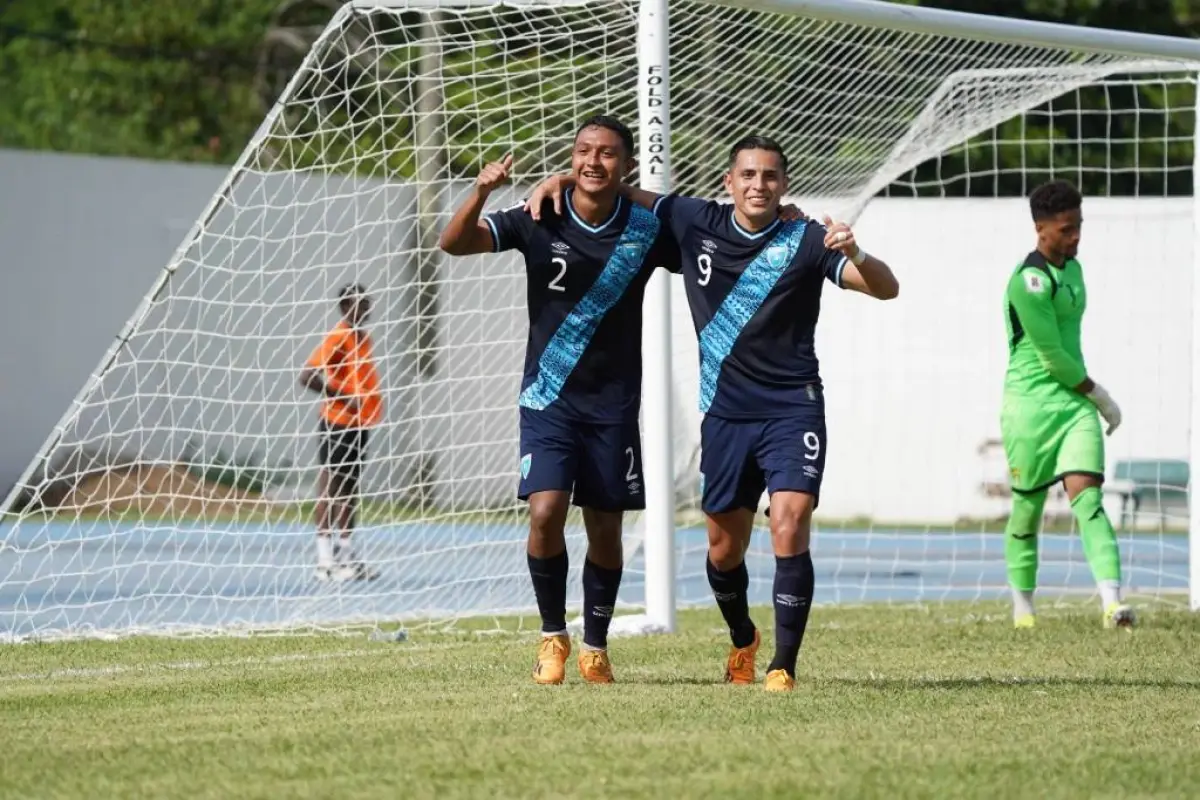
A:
(859, 257)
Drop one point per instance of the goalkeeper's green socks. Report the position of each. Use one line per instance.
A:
(1099, 543)
(1021, 550)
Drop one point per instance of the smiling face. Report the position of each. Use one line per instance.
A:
(599, 161)
(757, 181)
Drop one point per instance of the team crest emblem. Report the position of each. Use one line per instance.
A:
(526, 463)
(1034, 282)
(776, 256)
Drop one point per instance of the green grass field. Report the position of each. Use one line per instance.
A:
(945, 701)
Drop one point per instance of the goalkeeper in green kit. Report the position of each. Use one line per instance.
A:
(1049, 420)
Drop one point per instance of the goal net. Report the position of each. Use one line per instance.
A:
(176, 495)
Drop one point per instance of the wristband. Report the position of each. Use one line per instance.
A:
(859, 257)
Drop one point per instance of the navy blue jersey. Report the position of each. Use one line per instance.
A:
(755, 299)
(585, 289)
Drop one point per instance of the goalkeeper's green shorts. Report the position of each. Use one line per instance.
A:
(1043, 445)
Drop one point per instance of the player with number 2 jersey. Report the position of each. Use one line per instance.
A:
(586, 270)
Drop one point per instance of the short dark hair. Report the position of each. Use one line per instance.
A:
(613, 124)
(758, 143)
(1053, 198)
(351, 290)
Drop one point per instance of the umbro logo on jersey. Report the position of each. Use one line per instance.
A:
(708, 246)
(560, 247)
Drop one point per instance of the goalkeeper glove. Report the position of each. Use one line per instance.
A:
(1106, 406)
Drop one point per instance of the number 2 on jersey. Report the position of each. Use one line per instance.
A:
(704, 264)
(556, 283)
(630, 475)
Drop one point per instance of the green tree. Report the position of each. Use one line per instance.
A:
(1076, 136)
(176, 79)
(162, 79)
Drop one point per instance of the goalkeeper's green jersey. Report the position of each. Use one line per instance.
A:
(1044, 316)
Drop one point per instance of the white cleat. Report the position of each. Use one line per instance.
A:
(324, 572)
(1120, 615)
(355, 571)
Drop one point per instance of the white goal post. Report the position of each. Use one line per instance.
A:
(174, 495)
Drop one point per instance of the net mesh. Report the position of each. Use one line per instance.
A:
(176, 495)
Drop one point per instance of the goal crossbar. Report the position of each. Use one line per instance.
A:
(909, 19)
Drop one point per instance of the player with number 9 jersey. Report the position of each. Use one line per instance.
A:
(586, 271)
(754, 285)
(755, 297)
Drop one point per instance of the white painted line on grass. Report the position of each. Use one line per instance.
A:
(78, 673)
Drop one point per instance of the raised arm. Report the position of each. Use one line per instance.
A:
(863, 272)
(465, 235)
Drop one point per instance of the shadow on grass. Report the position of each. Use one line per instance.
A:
(1014, 682)
(681, 680)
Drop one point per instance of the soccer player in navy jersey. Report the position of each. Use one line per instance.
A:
(754, 287)
(587, 270)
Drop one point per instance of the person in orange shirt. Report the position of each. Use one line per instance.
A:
(342, 370)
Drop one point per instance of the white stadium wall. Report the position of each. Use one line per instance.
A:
(912, 385)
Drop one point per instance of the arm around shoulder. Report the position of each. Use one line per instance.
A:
(642, 197)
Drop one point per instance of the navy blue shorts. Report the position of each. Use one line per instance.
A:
(599, 463)
(739, 459)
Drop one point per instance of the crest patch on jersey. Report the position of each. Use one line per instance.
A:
(777, 255)
(1034, 282)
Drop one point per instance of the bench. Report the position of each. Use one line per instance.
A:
(1161, 482)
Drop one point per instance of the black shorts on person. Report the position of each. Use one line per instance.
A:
(343, 451)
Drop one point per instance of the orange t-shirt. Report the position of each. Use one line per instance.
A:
(345, 359)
